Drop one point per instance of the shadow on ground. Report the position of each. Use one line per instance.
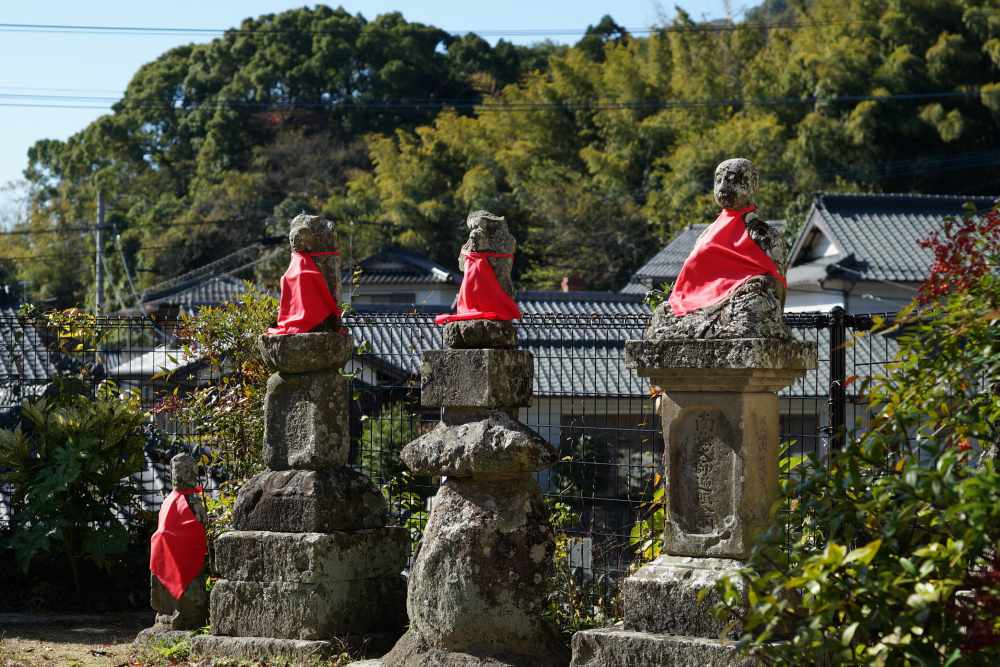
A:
(27, 640)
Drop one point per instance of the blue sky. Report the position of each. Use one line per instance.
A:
(74, 64)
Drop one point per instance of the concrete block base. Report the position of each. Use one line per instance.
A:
(617, 647)
(675, 595)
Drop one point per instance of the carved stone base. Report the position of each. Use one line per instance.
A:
(617, 647)
(663, 596)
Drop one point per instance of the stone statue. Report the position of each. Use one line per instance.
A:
(176, 619)
(717, 354)
(488, 233)
(754, 308)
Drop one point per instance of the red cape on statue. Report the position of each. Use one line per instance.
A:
(724, 258)
(179, 544)
(306, 301)
(480, 297)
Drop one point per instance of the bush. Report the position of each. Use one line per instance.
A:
(69, 466)
(893, 555)
(227, 416)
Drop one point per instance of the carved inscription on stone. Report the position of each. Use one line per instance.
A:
(701, 479)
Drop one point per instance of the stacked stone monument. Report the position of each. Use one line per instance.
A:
(177, 619)
(717, 371)
(311, 564)
(477, 587)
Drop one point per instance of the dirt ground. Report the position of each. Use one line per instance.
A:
(29, 640)
(39, 640)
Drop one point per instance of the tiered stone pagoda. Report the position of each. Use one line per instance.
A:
(311, 565)
(477, 588)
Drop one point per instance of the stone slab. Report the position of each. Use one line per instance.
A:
(471, 334)
(738, 364)
(308, 611)
(617, 647)
(306, 421)
(721, 464)
(161, 635)
(411, 651)
(306, 501)
(265, 649)
(496, 445)
(478, 378)
(311, 558)
(307, 352)
(663, 596)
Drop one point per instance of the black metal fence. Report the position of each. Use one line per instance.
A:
(587, 404)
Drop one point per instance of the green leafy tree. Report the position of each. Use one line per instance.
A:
(70, 466)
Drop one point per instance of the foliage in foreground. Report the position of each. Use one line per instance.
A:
(69, 465)
(893, 558)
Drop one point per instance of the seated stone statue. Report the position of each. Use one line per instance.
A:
(731, 285)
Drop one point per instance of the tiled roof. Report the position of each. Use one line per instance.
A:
(23, 355)
(578, 355)
(208, 292)
(396, 266)
(882, 231)
(665, 265)
(581, 303)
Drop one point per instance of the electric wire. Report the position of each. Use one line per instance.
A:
(481, 105)
(717, 26)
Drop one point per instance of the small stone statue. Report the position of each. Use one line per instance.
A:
(310, 288)
(488, 234)
(753, 306)
(176, 618)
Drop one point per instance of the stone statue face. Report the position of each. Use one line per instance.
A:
(735, 183)
(310, 233)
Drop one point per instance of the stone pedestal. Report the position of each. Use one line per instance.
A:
(177, 619)
(310, 566)
(719, 408)
(477, 588)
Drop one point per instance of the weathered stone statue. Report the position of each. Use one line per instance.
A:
(754, 309)
(176, 618)
(310, 564)
(718, 370)
(488, 234)
(477, 587)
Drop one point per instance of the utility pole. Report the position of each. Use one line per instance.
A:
(99, 265)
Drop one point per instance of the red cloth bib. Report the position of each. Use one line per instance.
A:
(480, 297)
(179, 544)
(724, 258)
(306, 301)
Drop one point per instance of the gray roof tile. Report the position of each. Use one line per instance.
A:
(883, 231)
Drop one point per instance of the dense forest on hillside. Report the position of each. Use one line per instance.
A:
(597, 152)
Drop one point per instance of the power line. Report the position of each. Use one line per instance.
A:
(89, 228)
(479, 105)
(719, 26)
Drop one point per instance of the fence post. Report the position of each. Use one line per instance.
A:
(838, 377)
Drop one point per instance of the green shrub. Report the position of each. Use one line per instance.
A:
(69, 466)
(893, 557)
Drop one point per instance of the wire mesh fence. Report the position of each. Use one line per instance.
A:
(587, 404)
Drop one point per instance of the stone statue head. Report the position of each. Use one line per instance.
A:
(183, 472)
(736, 182)
(311, 233)
(489, 232)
